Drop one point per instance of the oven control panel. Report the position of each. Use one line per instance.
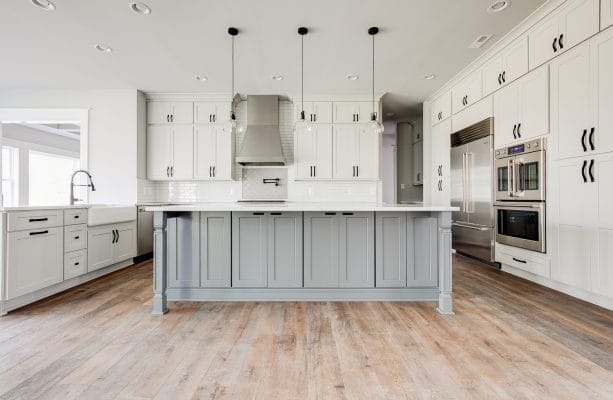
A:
(521, 148)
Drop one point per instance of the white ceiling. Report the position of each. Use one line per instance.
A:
(163, 51)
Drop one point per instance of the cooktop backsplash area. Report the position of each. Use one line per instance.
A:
(264, 183)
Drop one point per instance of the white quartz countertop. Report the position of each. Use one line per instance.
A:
(299, 206)
(36, 208)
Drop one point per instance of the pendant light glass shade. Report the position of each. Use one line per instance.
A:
(301, 121)
(375, 125)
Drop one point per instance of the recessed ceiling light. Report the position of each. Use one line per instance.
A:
(103, 48)
(498, 5)
(140, 8)
(201, 78)
(276, 78)
(429, 76)
(44, 4)
(353, 77)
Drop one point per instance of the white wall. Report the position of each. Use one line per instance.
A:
(112, 141)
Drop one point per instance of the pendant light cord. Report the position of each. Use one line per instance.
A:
(232, 116)
(374, 116)
(302, 76)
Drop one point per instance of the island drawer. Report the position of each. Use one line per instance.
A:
(27, 220)
(75, 216)
(75, 263)
(75, 237)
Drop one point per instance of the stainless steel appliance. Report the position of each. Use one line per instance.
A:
(521, 224)
(472, 190)
(520, 172)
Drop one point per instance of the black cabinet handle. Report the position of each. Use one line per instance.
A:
(258, 213)
(518, 130)
(210, 171)
(330, 213)
(76, 217)
(500, 79)
(210, 118)
(77, 263)
(214, 117)
(314, 170)
(213, 171)
(354, 171)
(167, 117)
(591, 171)
(38, 233)
(560, 41)
(592, 139)
(76, 237)
(276, 213)
(514, 130)
(172, 171)
(519, 261)
(310, 170)
(38, 219)
(555, 45)
(347, 213)
(117, 230)
(583, 140)
(168, 172)
(357, 170)
(504, 77)
(583, 171)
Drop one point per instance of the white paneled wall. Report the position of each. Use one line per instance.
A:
(188, 192)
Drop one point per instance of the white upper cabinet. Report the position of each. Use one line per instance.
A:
(581, 87)
(568, 26)
(356, 152)
(521, 110)
(313, 152)
(211, 112)
(506, 67)
(213, 152)
(170, 152)
(349, 112)
(440, 163)
(441, 108)
(163, 112)
(319, 112)
(606, 14)
(467, 92)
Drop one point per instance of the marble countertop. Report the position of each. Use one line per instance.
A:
(43, 207)
(299, 206)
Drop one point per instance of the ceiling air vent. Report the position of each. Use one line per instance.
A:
(480, 41)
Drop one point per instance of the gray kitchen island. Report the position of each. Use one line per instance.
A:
(301, 252)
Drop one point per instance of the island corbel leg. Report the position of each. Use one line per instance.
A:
(160, 238)
(445, 302)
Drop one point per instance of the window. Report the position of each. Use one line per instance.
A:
(50, 178)
(10, 176)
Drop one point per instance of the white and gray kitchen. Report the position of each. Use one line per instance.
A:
(285, 200)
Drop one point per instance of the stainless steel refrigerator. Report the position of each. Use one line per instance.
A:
(472, 190)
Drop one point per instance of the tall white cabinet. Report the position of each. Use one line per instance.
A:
(313, 152)
(213, 152)
(355, 152)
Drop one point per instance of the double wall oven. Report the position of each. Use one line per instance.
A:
(520, 173)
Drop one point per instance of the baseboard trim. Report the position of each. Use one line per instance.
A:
(24, 300)
(581, 294)
(302, 294)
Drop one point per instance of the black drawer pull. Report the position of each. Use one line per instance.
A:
(77, 263)
(258, 213)
(38, 233)
(329, 213)
(519, 261)
(347, 213)
(38, 219)
(76, 217)
(276, 213)
(77, 237)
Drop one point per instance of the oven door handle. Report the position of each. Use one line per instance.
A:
(517, 179)
(477, 228)
(511, 177)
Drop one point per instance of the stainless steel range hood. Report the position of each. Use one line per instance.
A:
(262, 141)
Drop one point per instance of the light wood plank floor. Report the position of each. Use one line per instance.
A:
(509, 339)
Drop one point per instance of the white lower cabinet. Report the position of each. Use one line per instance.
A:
(215, 249)
(34, 260)
(110, 244)
(75, 263)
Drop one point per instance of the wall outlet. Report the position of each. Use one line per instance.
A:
(402, 186)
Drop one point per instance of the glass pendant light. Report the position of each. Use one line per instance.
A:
(376, 126)
(233, 32)
(302, 122)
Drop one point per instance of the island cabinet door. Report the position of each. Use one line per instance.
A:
(249, 267)
(357, 249)
(422, 252)
(391, 249)
(183, 257)
(321, 250)
(285, 249)
(215, 249)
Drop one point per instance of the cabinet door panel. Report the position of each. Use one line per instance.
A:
(541, 39)
(215, 249)
(441, 145)
(223, 112)
(125, 245)
(158, 112)
(205, 151)
(572, 262)
(441, 108)
(323, 112)
(305, 153)
(368, 153)
(575, 198)
(75, 264)
(391, 249)
(422, 252)
(183, 112)
(579, 21)
(99, 248)
(515, 60)
(365, 110)
(356, 254)
(344, 112)
(323, 152)
(506, 115)
(249, 267)
(534, 104)
(183, 152)
(34, 260)
(159, 151)
(492, 79)
(571, 101)
(602, 270)
(285, 250)
(203, 112)
(602, 89)
(182, 257)
(321, 268)
(224, 154)
(467, 92)
(345, 151)
(606, 14)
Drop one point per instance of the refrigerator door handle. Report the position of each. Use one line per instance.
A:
(463, 182)
(468, 184)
